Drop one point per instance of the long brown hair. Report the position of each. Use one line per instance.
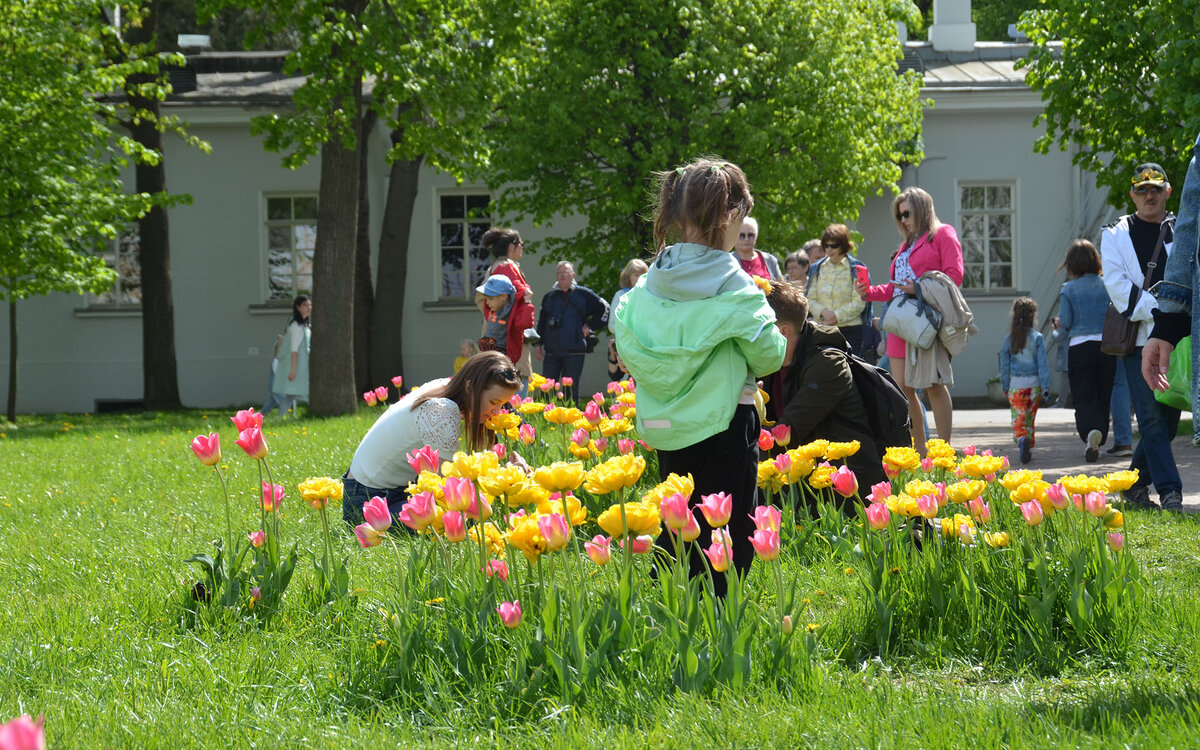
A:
(1024, 318)
(924, 218)
(466, 389)
(700, 195)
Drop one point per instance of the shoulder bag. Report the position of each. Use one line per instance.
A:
(912, 319)
(1120, 334)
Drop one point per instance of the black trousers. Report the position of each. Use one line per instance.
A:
(1091, 374)
(725, 462)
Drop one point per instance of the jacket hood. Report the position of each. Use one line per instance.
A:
(691, 271)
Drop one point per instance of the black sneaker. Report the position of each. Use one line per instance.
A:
(1026, 450)
(1092, 454)
(1120, 451)
(1171, 500)
(1138, 497)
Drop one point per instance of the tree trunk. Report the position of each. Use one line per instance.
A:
(364, 295)
(160, 378)
(11, 413)
(387, 352)
(331, 366)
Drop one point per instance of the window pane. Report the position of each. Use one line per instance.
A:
(972, 251)
(304, 270)
(279, 238)
(972, 197)
(476, 232)
(306, 208)
(1001, 276)
(306, 237)
(452, 273)
(973, 277)
(477, 206)
(972, 226)
(999, 197)
(279, 274)
(480, 263)
(453, 207)
(452, 236)
(1000, 251)
(1000, 226)
(279, 209)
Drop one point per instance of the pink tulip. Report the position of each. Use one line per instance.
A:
(890, 470)
(367, 535)
(783, 463)
(1077, 499)
(716, 508)
(599, 549)
(592, 413)
(245, 419)
(459, 493)
(722, 536)
(375, 512)
(878, 516)
(625, 446)
(1004, 462)
(880, 492)
(500, 450)
(479, 509)
(251, 440)
(601, 444)
(940, 493)
(718, 556)
(497, 568)
(581, 437)
(526, 434)
(1095, 503)
(568, 382)
(272, 496)
(547, 386)
(969, 450)
(766, 440)
(510, 613)
(455, 526)
(690, 532)
(255, 595)
(397, 381)
(1058, 496)
(516, 400)
(257, 538)
(782, 434)
(980, 511)
(641, 545)
(966, 535)
(674, 510)
(1116, 540)
(419, 511)
(554, 530)
(927, 506)
(207, 449)
(423, 459)
(786, 626)
(987, 452)
(767, 518)
(381, 393)
(1032, 512)
(766, 543)
(370, 398)
(614, 387)
(23, 733)
(844, 481)
(926, 465)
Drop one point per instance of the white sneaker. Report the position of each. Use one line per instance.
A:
(1092, 454)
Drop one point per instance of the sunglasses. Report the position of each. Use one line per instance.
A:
(1148, 190)
(902, 215)
(830, 246)
(746, 235)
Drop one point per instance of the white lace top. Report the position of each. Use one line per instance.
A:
(381, 460)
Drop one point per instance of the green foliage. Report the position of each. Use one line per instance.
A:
(1122, 88)
(805, 97)
(992, 17)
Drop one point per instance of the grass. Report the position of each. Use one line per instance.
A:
(98, 514)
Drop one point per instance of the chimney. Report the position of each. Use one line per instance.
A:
(952, 30)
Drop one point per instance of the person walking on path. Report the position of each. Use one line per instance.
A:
(1134, 250)
(291, 380)
(570, 315)
(1024, 373)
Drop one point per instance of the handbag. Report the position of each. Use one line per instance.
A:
(913, 320)
(1179, 378)
(1120, 334)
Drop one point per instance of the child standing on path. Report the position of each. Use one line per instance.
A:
(695, 333)
(1024, 372)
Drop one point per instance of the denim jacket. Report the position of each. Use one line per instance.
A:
(1178, 291)
(1082, 304)
(1029, 361)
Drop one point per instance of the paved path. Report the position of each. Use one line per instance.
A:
(1059, 451)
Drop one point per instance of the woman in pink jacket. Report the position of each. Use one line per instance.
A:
(928, 245)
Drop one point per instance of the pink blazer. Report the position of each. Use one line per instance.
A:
(942, 253)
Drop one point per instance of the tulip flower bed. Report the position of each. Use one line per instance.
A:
(530, 605)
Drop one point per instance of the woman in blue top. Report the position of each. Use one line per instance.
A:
(1024, 372)
(1081, 307)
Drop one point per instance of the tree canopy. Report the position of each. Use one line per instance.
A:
(805, 97)
(1121, 82)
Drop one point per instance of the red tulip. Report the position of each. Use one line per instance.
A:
(716, 508)
(258, 538)
(765, 440)
(1032, 511)
(510, 613)
(272, 496)
(397, 381)
(598, 549)
(452, 522)
(880, 492)
(381, 393)
(878, 516)
(423, 459)
(497, 568)
(245, 419)
(782, 434)
(691, 531)
(459, 493)
(766, 543)
(674, 511)
(625, 446)
(251, 440)
(844, 482)
(554, 530)
(718, 556)
(375, 512)
(419, 511)
(767, 518)
(23, 733)
(207, 449)
(641, 545)
(370, 398)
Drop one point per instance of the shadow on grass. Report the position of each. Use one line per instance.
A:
(1128, 706)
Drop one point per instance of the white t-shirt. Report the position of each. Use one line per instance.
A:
(381, 460)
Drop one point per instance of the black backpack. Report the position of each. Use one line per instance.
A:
(887, 407)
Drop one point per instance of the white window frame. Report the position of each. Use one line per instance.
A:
(121, 254)
(962, 225)
(267, 224)
(445, 293)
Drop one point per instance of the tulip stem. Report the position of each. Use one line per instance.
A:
(228, 523)
(274, 511)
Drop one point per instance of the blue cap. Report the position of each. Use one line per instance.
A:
(497, 284)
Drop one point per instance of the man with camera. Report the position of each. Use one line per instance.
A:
(570, 316)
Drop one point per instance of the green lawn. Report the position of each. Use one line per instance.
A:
(98, 515)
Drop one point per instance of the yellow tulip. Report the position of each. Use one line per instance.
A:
(819, 478)
(575, 511)
(965, 491)
(492, 538)
(769, 477)
(610, 427)
(559, 476)
(527, 537)
(1082, 484)
(527, 492)
(472, 465)
(997, 539)
(1014, 479)
(563, 415)
(837, 451)
(902, 458)
(1113, 519)
(814, 450)
(532, 407)
(497, 482)
(673, 484)
(938, 448)
(641, 519)
(981, 466)
(502, 421)
(1034, 489)
(579, 452)
(318, 491)
(616, 473)
(1119, 481)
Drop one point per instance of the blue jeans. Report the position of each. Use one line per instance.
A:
(1158, 424)
(1122, 421)
(355, 495)
(272, 399)
(559, 366)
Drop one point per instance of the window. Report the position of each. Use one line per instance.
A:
(462, 220)
(121, 255)
(987, 216)
(291, 239)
